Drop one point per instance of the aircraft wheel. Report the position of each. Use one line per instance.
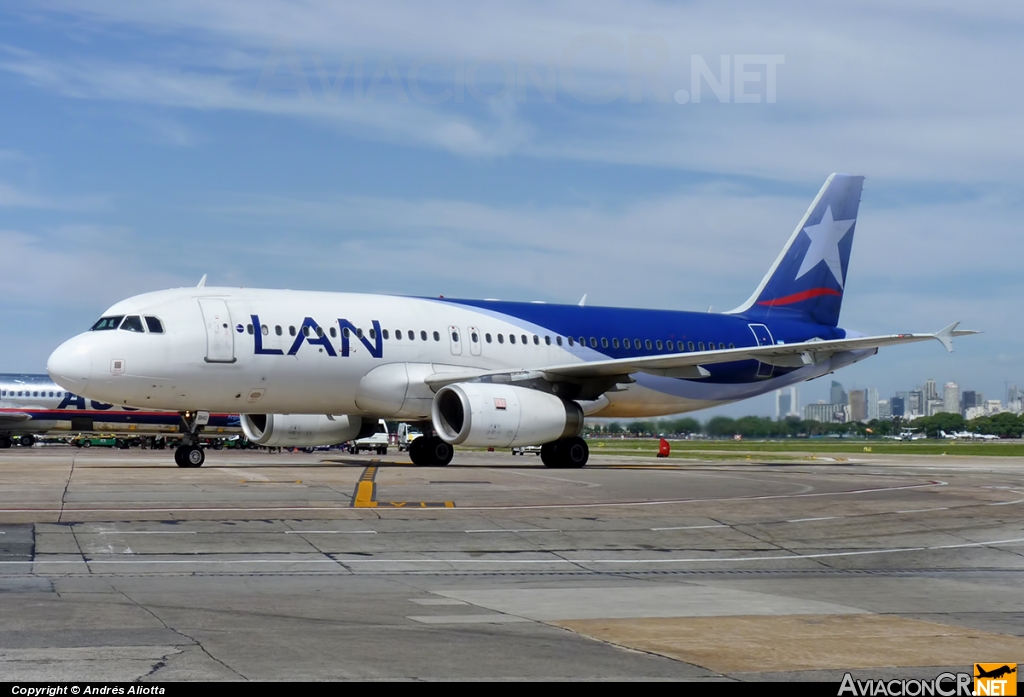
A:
(441, 452)
(574, 452)
(549, 454)
(27, 440)
(189, 456)
(418, 453)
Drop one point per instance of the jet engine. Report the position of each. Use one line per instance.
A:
(487, 414)
(302, 430)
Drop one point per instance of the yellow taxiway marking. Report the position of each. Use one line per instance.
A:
(365, 495)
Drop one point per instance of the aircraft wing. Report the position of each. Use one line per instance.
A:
(13, 417)
(689, 365)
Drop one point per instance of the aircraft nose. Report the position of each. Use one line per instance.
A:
(70, 365)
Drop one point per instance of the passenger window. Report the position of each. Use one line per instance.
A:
(536, 340)
(501, 339)
(593, 342)
(583, 341)
(154, 325)
(455, 336)
(547, 340)
(474, 337)
(615, 343)
(558, 340)
(423, 335)
(412, 335)
(106, 323)
(265, 329)
(689, 345)
(487, 338)
(648, 344)
(524, 339)
(732, 346)
(249, 329)
(398, 333)
(658, 344)
(291, 330)
(636, 343)
(604, 342)
(277, 329)
(346, 333)
(320, 332)
(721, 346)
(305, 330)
(334, 332)
(359, 332)
(384, 333)
(437, 336)
(680, 346)
(700, 346)
(511, 338)
(570, 341)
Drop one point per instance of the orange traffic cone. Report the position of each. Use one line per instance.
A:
(663, 448)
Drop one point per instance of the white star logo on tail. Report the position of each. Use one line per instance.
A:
(825, 238)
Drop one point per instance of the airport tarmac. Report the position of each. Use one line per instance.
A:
(117, 565)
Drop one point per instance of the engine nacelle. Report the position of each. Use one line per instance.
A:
(303, 430)
(486, 414)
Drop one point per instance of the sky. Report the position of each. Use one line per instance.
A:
(649, 154)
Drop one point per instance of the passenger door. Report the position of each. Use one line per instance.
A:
(764, 338)
(220, 335)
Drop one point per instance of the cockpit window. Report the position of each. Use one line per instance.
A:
(133, 323)
(155, 326)
(105, 323)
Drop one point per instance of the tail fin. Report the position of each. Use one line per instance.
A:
(806, 282)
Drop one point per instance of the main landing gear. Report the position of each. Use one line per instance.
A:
(568, 453)
(430, 451)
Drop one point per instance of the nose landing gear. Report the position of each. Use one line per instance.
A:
(189, 454)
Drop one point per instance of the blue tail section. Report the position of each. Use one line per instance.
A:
(807, 281)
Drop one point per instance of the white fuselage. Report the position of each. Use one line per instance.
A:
(213, 355)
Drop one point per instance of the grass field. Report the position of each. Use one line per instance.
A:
(800, 447)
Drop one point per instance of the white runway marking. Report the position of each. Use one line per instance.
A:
(251, 476)
(924, 510)
(827, 517)
(511, 562)
(523, 507)
(693, 527)
(330, 532)
(140, 532)
(521, 530)
(1006, 503)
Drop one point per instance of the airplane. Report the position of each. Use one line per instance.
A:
(968, 435)
(34, 405)
(307, 368)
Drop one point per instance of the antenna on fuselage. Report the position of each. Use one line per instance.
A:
(583, 300)
(202, 282)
